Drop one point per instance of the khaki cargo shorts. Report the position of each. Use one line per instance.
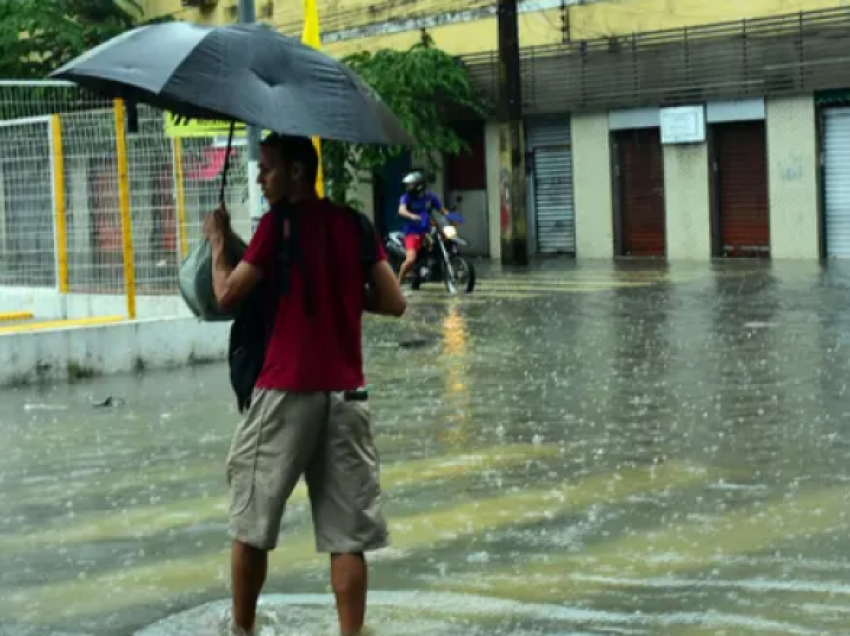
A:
(324, 438)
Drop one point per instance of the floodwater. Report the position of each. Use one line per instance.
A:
(595, 449)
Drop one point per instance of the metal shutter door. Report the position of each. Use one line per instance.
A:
(642, 165)
(553, 187)
(837, 181)
(742, 178)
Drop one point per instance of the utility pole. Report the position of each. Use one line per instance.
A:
(512, 192)
(247, 15)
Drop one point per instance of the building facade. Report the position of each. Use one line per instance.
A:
(685, 130)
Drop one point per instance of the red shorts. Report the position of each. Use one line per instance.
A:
(413, 241)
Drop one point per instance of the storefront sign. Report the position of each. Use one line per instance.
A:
(683, 125)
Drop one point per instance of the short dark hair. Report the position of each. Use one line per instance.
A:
(296, 149)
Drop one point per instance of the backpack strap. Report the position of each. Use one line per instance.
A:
(289, 253)
(283, 222)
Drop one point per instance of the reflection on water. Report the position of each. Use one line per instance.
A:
(622, 449)
(454, 370)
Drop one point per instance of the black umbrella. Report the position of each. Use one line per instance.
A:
(248, 73)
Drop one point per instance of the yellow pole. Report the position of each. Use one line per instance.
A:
(124, 202)
(320, 176)
(312, 37)
(60, 210)
(181, 197)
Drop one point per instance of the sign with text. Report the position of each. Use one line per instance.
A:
(682, 125)
(179, 127)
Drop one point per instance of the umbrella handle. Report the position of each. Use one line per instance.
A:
(226, 162)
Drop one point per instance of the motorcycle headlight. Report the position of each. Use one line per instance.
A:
(450, 232)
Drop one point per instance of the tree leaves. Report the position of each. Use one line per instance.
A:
(422, 86)
(38, 36)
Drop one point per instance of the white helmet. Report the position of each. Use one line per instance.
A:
(415, 182)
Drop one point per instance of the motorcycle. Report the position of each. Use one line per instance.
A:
(439, 259)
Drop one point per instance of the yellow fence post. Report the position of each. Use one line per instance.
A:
(60, 210)
(320, 177)
(124, 202)
(179, 188)
(311, 36)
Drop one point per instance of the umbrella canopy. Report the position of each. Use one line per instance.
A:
(247, 73)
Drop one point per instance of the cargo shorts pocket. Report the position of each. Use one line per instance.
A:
(242, 460)
(367, 462)
(241, 493)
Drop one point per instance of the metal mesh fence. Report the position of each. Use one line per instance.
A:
(60, 192)
(27, 253)
(202, 160)
(155, 229)
(93, 211)
(173, 186)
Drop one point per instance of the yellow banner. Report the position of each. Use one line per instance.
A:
(179, 127)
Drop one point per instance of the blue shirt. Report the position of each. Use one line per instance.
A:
(422, 206)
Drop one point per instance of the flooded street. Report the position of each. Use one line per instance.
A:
(578, 449)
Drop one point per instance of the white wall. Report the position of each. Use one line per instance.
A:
(592, 186)
(491, 150)
(687, 202)
(49, 304)
(793, 177)
(476, 226)
(116, 348)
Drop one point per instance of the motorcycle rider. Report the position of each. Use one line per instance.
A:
(416, 205)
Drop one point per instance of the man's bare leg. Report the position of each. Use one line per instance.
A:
(249, 566)
(406, 266)
(349, 580)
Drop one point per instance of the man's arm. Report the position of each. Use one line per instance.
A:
(231, 285)
(385, 296)
(404, 212)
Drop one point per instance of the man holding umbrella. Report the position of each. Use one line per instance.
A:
(308, 414)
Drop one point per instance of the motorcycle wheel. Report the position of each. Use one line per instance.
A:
(464, 278)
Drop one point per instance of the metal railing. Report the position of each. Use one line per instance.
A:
(773, 56)
(87, 207)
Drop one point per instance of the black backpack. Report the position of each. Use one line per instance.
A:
(250, 332)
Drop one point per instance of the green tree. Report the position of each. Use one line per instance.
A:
(38, 36)
(423, 86)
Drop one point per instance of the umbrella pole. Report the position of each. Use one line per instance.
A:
(226, 162)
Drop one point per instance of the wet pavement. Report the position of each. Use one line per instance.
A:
(594, 449)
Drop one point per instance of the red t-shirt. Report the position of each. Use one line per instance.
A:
(322, 351)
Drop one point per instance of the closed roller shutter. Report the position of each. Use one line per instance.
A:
(836, 146)
(641, 164)
(554, 211)
(740, 150)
